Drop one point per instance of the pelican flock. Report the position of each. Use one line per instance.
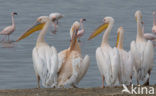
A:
(67, 67)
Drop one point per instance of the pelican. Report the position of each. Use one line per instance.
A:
(142, 51)
(9, 29)
(45, 58)
(72, 67)
(126, 59)
(108, 58)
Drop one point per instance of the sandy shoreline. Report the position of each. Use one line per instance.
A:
(65, 92)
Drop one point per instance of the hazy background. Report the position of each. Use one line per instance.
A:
(16, 68)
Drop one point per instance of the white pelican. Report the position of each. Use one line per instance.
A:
(9, 29)
(72, 67)
(108, 58)
(45, 58)
(143, 53)
(126, 59)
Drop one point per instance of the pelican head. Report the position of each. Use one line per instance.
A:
(107, 21)
(42, 19)
(75, 27)
(40, 22)
(138, 15)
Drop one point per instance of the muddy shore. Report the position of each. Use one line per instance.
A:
(66, 92)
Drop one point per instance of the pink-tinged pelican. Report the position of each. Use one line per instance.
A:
(45, 58)
(154, 23)
(9, 29)
(143, 53)
(72, 67)
(126, 59)
(108, 58)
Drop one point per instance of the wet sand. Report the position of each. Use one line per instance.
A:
(66, 92)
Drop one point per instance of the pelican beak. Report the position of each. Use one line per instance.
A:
(118, 37)
(36, 27)
(99, 30)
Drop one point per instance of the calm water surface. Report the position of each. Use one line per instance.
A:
(16, 68)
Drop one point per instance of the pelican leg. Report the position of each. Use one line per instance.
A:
(103, 79)
(38, 81)
(74, 86)
(137, 81)
(147, 81)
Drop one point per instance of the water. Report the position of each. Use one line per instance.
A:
(16, 68)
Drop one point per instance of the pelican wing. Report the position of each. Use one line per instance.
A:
(76, 62)
(45, 64)
(115, 65)
(148, 57)
(83, 67)
(61, 58)
(129, 66)
(104, 64)
(126, 62)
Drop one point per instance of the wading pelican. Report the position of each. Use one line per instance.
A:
(72, 67)
(154, 23)
(143, 53)
(108, 58)
(9, 29)
(126, 59)
(45, 58)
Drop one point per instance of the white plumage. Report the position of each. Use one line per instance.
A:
(108, 58)
(45, 61)
(126, 60)
(142, 51)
